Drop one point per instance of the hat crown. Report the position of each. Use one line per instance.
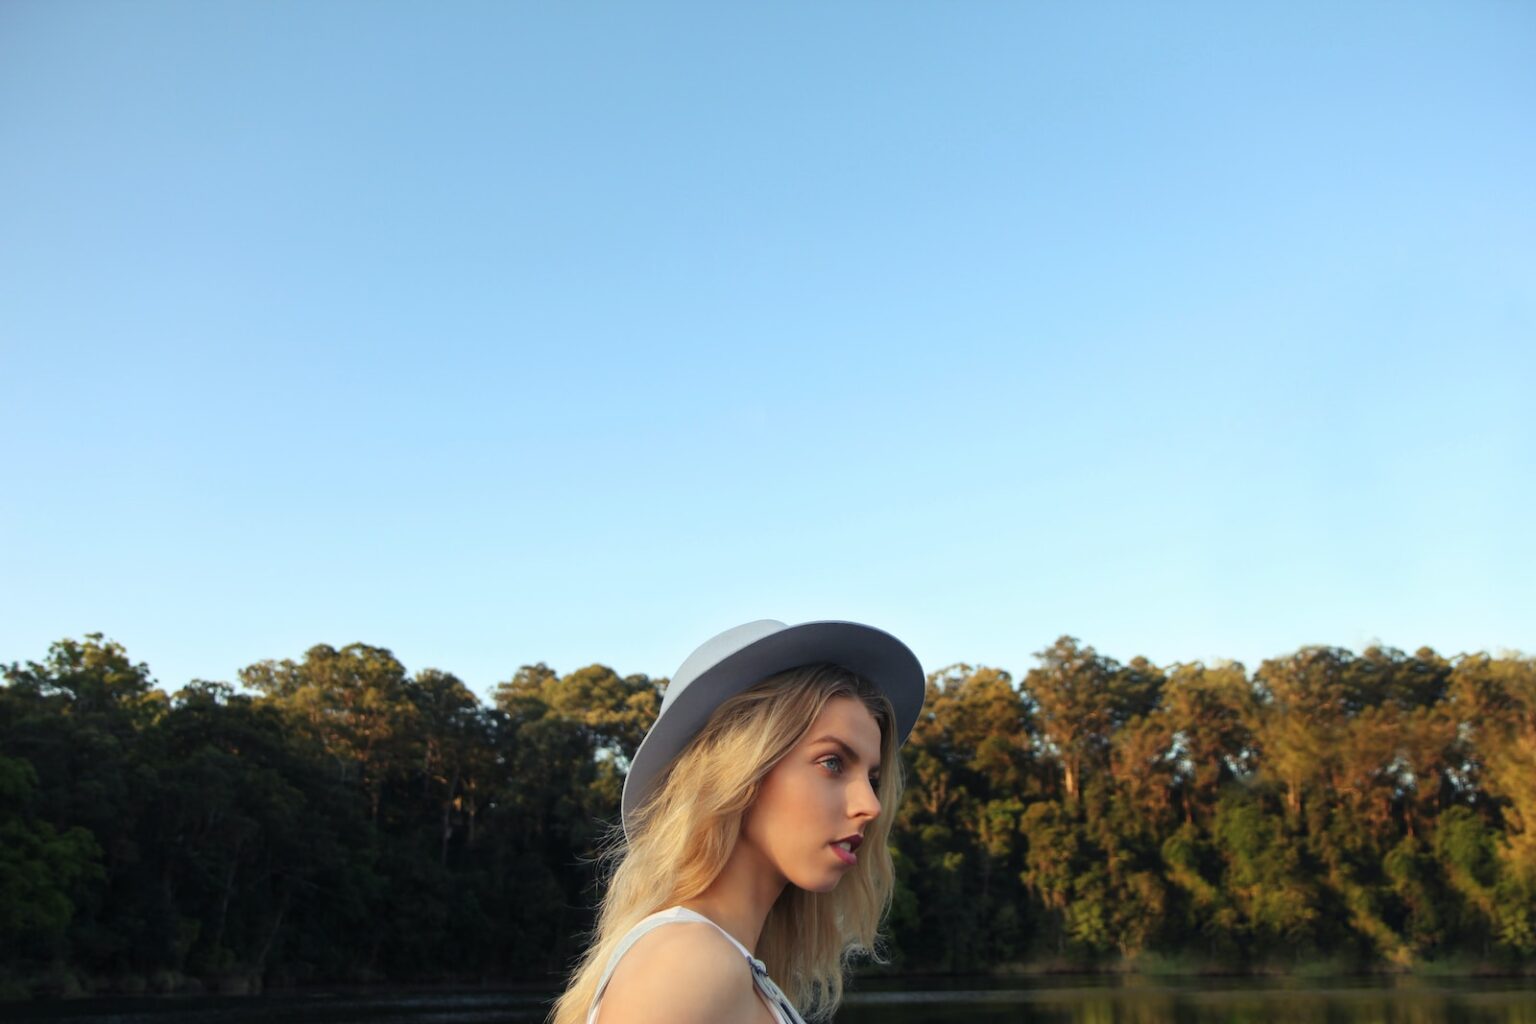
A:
(715, 650)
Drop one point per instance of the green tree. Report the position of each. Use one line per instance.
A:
(1264, 876)
(451, 735)
(1080, 698)
(41, 870)
(354, 702)
(1298, 721)
(618, 710)
(1209, 711)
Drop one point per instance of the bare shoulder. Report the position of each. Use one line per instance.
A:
(681, 973)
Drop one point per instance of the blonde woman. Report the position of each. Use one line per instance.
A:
(754, 826)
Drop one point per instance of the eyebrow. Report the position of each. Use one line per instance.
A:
(852, 756)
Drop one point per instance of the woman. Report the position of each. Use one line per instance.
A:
(755, 818)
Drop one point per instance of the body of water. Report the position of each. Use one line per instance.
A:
(1079, 1001)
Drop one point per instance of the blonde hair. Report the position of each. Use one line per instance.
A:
(682, 836)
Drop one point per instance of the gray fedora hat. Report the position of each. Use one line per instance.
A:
(733, 661)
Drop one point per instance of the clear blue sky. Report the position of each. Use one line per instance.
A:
(496, 333)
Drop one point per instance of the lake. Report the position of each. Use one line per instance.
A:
(1050, 1001)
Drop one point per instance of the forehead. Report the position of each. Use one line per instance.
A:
(850, 721)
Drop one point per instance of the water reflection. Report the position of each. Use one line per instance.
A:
(315, 1008)
(1110, 1003)
(1084, 1001)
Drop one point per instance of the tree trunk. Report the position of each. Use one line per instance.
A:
(266, 947)
(453, 786)
(229, 888)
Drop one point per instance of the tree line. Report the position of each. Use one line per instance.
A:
(338, 818)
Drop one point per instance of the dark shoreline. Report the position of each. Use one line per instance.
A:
(47, 991)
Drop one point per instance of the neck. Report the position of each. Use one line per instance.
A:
(740, 897)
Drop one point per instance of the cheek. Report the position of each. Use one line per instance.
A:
(785, 807)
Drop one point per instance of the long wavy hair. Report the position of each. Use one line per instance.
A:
(682, 836)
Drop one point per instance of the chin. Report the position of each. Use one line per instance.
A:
(823, 884)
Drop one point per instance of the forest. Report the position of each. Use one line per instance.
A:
(340, 819)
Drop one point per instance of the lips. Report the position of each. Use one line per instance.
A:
(844, 848)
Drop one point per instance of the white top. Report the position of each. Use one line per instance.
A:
(783, 1010)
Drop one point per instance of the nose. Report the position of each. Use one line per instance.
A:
(865, 803)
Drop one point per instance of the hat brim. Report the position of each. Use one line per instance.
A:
(869, 652)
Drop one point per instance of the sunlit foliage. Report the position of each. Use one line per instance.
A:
(337, 817)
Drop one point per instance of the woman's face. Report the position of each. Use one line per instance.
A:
(820, 792)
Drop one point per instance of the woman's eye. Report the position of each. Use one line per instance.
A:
(833, 758)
